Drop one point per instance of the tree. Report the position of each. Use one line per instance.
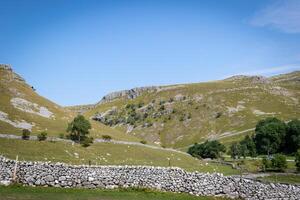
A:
(279, 162)
(42, 136)
(293, 136)
(79, 128)
(269, 136)
(297, 160)
(208, 149)
(234, 150)
(248, 146)
(25, 134)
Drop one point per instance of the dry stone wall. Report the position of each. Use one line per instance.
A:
(158, 178)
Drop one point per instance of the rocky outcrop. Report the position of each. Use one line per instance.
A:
(253, 79)
(11, 75)
(159, 178)
(129, 94)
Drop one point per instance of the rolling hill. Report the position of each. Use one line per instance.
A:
(179, 115)
(22, 108)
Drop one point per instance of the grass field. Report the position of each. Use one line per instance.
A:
(282, 178)
(252, 165)
(29, 193)
(105, 154)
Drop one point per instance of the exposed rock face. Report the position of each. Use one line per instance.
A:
(6, 67)
(27, 106)
(160, 178)
(254, 79)
(129, 94)
(18, 124)
(11, 75)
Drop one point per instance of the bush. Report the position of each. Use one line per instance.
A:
(266, 163)
(208, 149)
(61, 136)
(279, 162)
(42, 136)
(25, 134)
(143, 142)
(106, 137)
(276, 163)
(219, 114)
(87, 141)
(297, 160)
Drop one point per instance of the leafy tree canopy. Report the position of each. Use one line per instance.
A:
(208, 149)
(269, 136)
(293, 136)
(79, 128)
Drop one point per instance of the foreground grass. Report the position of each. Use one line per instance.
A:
(105, 154)
(289, 178)
(26, 193)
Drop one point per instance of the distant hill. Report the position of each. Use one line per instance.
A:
(22, 108)
(180, 115)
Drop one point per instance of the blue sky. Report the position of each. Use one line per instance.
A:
(74, 52)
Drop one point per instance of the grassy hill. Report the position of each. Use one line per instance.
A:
(180, 115)
(22, 108)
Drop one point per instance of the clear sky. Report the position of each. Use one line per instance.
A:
(76, 51)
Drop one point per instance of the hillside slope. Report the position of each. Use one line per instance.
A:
(22, 108)
(180, 115)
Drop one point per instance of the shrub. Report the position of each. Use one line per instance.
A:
(25, 134)
(61, 136)
(106, 137)
(140, 104)
(143, 142)
(219, 114)
(266, 163)
(297, 160)
(276, 163)
(208, 149)
(189, 115)
(279, 162)
(161, 108)
(42, 136)
(87, 141)
(181, 118)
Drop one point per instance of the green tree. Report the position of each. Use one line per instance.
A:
(208, 149)
(269, 136)
(79, 128)
(293, 136)
(297, 160)
(234, 150)
(248, 146)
